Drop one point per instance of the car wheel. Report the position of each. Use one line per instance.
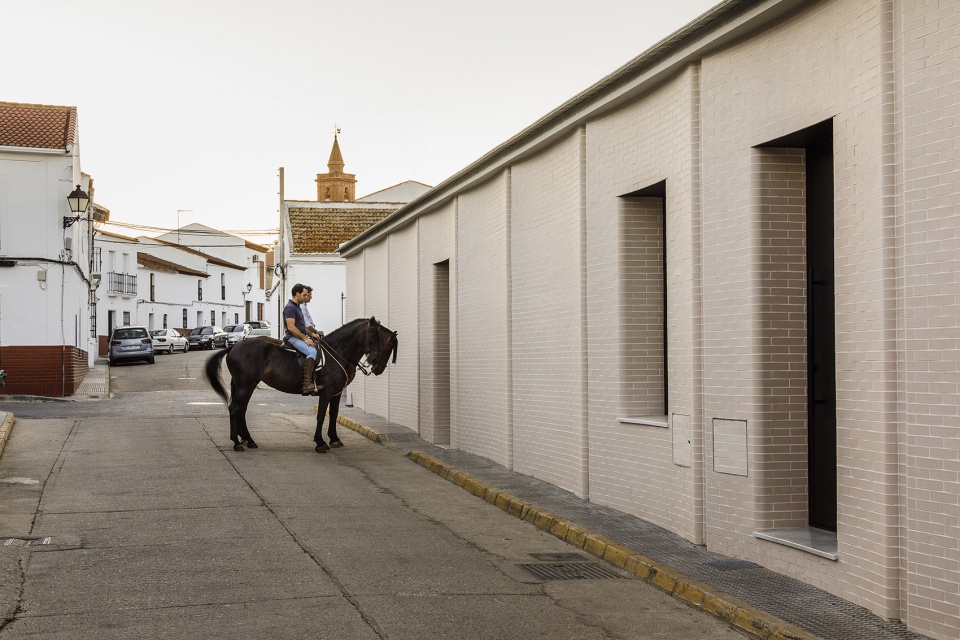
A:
(186, 347)
(113, 362)
(150, 360)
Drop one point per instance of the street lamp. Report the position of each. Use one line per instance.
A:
(78, 200)
(249, 288)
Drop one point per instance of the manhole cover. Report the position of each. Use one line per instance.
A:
(558, 557)
(570, 571)
(24, 542)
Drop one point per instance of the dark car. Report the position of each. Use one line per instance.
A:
(207, 338)
(130, 343)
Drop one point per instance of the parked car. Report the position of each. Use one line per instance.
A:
(235, 333)
(257, 324)
(168, 341)
(207, 338)
(130, 343)
(256, 333)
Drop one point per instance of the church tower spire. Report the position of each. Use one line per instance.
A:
(336, 186)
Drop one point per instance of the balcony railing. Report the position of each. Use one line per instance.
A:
(122, 283)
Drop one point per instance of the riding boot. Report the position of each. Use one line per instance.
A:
(309, 388)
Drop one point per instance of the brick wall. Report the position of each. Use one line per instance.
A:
(542, 279)
(484, 344)
(437, 245)
(52, 371)
(548, 378)
(402, 375)
(931, 317)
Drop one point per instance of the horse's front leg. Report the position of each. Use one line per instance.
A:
(335, 442)
(318, 434)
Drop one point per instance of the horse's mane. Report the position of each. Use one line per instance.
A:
(348, 328)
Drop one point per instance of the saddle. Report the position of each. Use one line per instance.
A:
(321, 355)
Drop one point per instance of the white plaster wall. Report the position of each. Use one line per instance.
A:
(33, 192)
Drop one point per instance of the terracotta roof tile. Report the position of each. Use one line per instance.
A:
(159, 264)
(37, 126)
(324, 230)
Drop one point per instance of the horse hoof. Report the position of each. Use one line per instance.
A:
(238, 447)
(320, 449)
(336, 444)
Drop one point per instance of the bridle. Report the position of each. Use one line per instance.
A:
(381, 355)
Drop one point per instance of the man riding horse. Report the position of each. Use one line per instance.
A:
(296, 335)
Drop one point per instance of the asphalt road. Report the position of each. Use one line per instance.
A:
(132, 517)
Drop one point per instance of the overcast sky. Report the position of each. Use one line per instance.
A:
(194, 105)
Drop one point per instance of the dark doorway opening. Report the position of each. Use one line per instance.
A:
(817, 142)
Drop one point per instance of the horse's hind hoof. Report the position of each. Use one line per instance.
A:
(336, 444)
(238, 447)
(320, 449)
(252, 445)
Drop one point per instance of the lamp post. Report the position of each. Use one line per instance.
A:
(246, 314)
(79, 201)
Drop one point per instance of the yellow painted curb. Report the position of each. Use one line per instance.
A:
(6, 426)
(742, 616)
(737, 614)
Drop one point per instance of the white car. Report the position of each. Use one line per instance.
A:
(168, 341)
(235, 333)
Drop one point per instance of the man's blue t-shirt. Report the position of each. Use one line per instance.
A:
(292, 310)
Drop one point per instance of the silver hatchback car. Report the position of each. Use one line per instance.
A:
(130, 343)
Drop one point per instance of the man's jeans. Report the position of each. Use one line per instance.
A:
(302, 347)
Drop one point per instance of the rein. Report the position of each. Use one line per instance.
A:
(339, 360)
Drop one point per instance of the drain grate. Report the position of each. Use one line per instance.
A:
(731, 565)
(24, 542)
(570, 571)
(399, 437)
(558, 557)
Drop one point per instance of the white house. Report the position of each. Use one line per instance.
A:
(160, 283)
(311, 232)
(46, 340)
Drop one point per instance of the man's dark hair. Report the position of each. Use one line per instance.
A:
(307, 288)
(297, 288)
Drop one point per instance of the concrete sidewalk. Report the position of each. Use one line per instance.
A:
(760, 602)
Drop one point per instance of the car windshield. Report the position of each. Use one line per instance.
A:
(197, 331)
(129, 334)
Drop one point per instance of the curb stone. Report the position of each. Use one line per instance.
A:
(6, 426)
(734, 612)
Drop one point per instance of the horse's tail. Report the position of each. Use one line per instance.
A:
(212, 372)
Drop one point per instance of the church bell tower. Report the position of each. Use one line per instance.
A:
(336, 186)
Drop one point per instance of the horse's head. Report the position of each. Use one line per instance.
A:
(381, 342)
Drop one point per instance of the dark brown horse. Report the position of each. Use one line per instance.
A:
(263, 358)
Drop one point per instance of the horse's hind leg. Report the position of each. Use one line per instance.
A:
(239, 434)
(335, 442)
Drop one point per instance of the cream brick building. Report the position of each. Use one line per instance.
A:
(719, 290)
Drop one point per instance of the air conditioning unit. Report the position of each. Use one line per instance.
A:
(256, 259)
